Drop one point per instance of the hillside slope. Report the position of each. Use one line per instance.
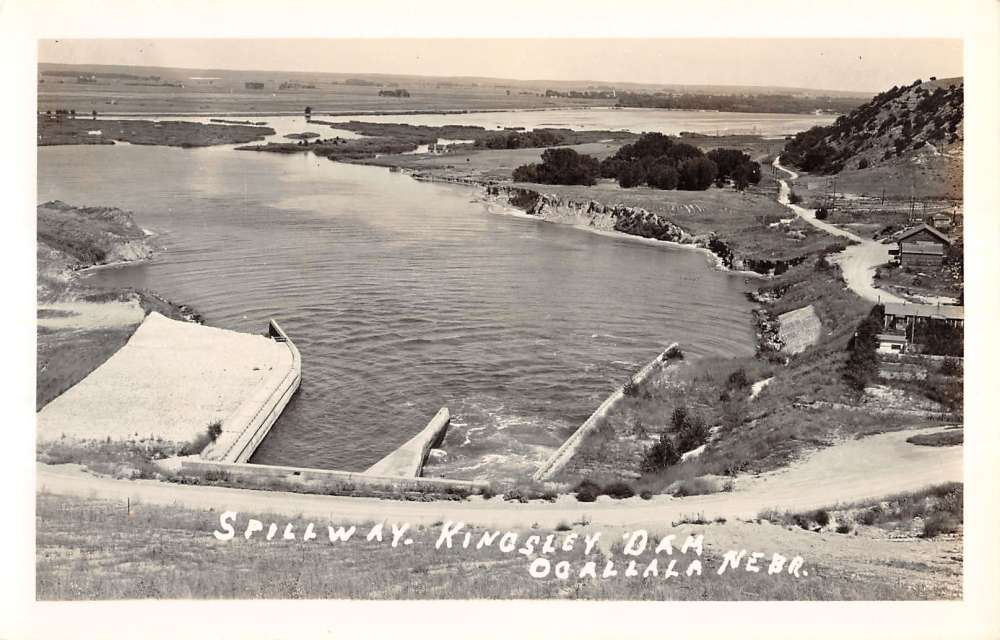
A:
(911, 123)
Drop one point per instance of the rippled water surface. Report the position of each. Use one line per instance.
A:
(404, 297)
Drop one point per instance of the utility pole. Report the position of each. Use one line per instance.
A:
(883, 197)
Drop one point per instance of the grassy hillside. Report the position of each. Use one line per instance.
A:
(920, 119)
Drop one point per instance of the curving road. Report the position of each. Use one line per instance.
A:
(858, 261)
(854, 470)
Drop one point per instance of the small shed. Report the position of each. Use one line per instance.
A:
(891, 343)
(941, 221)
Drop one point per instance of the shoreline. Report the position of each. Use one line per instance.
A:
(715, 259)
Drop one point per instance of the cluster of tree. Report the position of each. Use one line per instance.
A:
(67, 112)
(394, 93)
(885, 127)
(940, 338)
(587, 95)
(862, 360)
(774, 103)
(560, 166)
(520, 140)
(662, 162)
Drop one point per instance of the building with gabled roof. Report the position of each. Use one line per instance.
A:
(921, 246)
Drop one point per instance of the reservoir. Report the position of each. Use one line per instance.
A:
(403, 297)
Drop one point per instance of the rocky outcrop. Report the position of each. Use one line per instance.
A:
(91, 235)
(634, 221)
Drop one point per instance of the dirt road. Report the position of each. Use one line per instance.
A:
(858, 261)
(854, 470)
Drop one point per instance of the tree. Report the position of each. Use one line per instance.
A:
(560, 166)
(862, 363)
(632, 175)
(93, 114)
(662, 176)
(309, 111)
(696, 174)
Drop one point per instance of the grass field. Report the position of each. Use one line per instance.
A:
(98, 550)
(326, 99)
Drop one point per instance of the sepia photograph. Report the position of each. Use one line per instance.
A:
(591, 319)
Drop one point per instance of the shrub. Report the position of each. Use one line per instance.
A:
(619, 490)
(587, 491)
(215, 430)
(630, 389)
(843, 527)
(661, 455)
(563, 526)
(646, 494)
(822, 213)
(938, 523)
(863, 163)
(738, 379)
(674, 353)
(794, 198)
(691, 429)
(692, 435)
(868, 517)
(695, 487)
(822, 517)
(516, 495)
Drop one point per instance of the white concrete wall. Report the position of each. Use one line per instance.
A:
(408, 460)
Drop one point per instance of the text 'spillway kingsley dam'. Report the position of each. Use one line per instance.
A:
(348, 332)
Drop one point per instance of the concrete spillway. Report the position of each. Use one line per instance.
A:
(565, 453)
(245, 428)
(170, 381)
(408, 460)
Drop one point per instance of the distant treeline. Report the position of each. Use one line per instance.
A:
(773, 103)
(394, 93)
(656, 160)
(587, 95)
(105, 74)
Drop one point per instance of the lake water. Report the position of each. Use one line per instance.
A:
(404, 297)
(637, 120)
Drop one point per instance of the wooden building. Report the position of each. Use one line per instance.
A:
(902, 324)
(921, 246)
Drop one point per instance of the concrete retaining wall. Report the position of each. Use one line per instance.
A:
(319, 477)
(408, 460)
(568, 449)
(246, 427)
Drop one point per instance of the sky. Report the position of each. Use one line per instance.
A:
(842, 64)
